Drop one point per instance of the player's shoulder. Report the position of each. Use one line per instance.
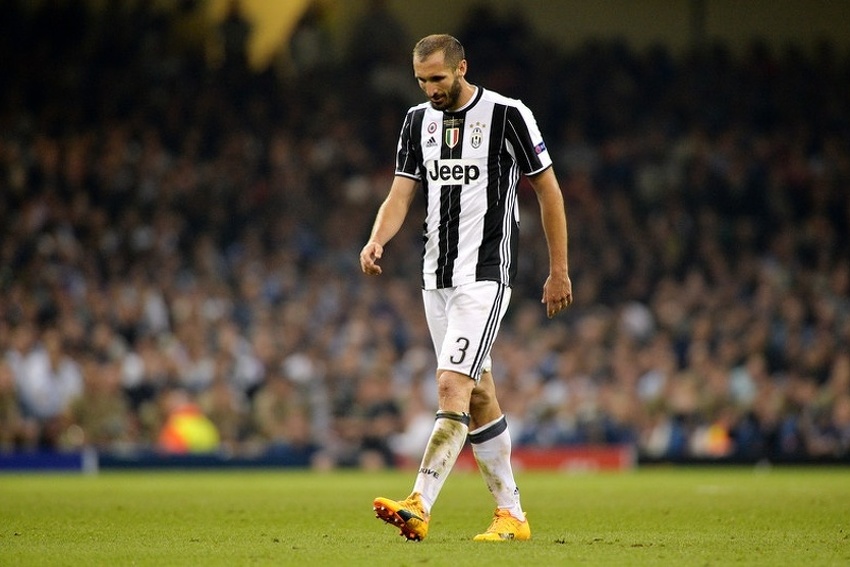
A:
(421, 107)
(498, 98)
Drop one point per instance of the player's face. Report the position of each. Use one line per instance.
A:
(440, 83)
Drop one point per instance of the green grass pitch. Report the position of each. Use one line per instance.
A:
(652, 516)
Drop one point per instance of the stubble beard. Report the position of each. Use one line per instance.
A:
(452, 96)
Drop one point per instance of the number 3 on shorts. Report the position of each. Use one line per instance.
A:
(459, 357)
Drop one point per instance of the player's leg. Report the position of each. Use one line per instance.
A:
(463, 322)
(451, 427)
(489, 433)
(457, 321)
(484, 405)
(448, 436)
(491, 445)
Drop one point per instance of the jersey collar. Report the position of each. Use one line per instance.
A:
(476, 96)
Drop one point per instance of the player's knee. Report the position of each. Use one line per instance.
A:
(447, 383)
(481, 398)
(451, 385)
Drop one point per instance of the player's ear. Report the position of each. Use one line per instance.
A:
(461, 68)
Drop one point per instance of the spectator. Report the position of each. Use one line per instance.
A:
(49, 382)
(101, 417)
(16, 433)
(149, 224)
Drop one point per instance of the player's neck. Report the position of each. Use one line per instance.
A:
(466, 95)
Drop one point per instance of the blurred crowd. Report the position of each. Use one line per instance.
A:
(179, 242)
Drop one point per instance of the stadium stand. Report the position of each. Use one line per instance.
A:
(172, 232)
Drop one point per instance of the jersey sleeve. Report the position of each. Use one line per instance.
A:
(526, 141)
(409, 141)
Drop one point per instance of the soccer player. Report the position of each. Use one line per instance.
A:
(467, 147)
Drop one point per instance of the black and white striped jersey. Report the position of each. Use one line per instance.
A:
(469, 163)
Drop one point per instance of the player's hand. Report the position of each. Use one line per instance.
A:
(557, 294)
(369, 257)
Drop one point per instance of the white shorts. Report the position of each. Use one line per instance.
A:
(464, 322)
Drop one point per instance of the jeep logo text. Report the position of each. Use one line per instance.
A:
(453, 171)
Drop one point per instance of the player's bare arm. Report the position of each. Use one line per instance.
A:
(558, 289)
(388, 221)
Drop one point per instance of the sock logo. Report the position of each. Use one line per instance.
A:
(429, 472)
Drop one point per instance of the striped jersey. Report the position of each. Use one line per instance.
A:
(469, 164)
